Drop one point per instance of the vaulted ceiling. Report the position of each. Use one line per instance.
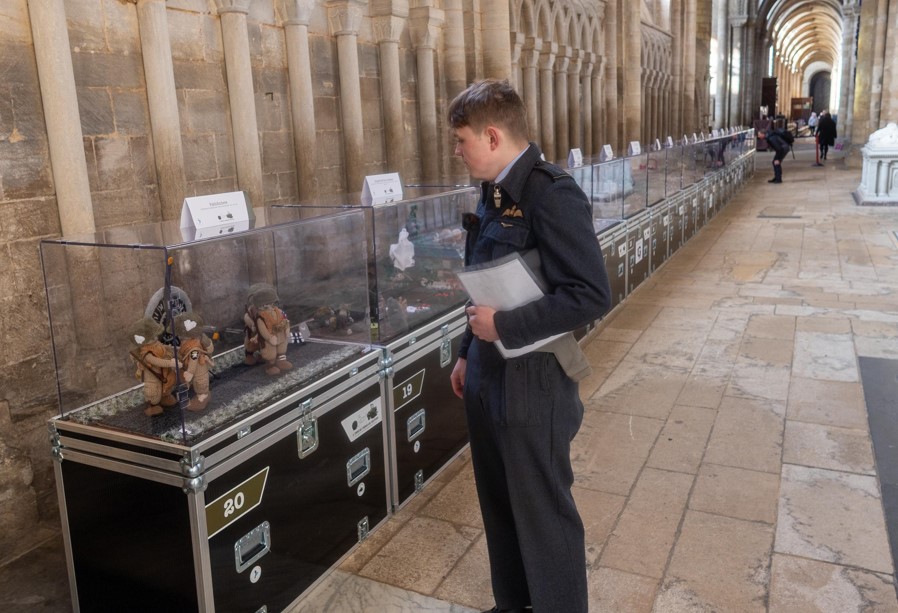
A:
(803, 31)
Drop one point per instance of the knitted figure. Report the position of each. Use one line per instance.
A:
(155, 365)
(268, 334)
(195, 352)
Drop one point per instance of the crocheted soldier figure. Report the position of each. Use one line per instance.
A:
(267, 329)
(155, 365)
(195, 352)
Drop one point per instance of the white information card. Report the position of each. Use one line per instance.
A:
(380, 189)
(606, 154)
(206, 212)
(574, 158)
(634, 148)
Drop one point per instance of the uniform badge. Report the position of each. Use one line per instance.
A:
(514, 211)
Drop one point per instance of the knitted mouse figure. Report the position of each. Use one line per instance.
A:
(271, 329)
(155, 365)
(195, 352)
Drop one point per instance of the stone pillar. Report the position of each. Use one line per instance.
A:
(632, 63)
(496, 47)
(389, 19)
(241, 95)
(516, 76)
(454, 48)
(597, 111)
(677, 44)
(749, 83)
(575, 128)
(722, 28)
(562, 143)
(689, 106)
(889, 107)
(879, 45)
(547, 99)
(296, 15)
(611, 63)
(425, 26)
(162, 100)
(586, 86)
(737, 75)
(345, 19)
(850, 12)
(530, 90)
(56, 77)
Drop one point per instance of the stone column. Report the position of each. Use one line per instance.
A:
(345, 19)
(241, 96)
(850, 12)
(496, 46)
(530, 93)
(562, 143)
(677, 45)
(425, 27)
(573, 92)
(632, 71)
(586, 85)
(56, 77)
(612, 128)
(889, 109)
(750, 84)
(879, 45)
(722, 28)
(737, 23)
(516, 76)
(598, 103)
(389, 19)
(162, 100)
(296, 15)
(454, 48)
(689, 106)
(547, 99)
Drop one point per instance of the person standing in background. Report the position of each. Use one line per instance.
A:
(826, 129)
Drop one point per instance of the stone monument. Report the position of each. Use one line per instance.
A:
(879, 177)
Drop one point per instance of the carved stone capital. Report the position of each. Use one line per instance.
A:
(547, 57)
(344, 16)
(295, 12)
(385, 8)
(232, 6)
(388, 28)
(425, 23)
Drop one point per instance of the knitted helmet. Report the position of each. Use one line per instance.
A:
(145, 330)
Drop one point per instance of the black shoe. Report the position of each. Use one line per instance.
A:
(775, 181)
(498, 610)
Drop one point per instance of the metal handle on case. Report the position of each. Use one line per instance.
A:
(358, 466)
(252, 546)
(415, 425)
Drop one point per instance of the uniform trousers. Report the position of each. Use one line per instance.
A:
(522, 415)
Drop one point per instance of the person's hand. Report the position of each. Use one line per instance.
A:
(458, 377)
(480, 318)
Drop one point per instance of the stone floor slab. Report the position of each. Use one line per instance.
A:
(832, 517)
(830, 447)
(736, 492)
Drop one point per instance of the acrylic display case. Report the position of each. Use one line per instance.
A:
(242, 502)
(414, 247)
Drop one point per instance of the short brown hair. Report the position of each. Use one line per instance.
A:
(490, 101)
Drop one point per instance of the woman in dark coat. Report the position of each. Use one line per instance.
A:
(826, 132)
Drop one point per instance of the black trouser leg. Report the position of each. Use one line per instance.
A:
(521, 425)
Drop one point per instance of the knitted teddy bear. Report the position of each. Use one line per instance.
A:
(155, 365)
(195, 352)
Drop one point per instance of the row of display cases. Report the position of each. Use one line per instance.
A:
(305, 442)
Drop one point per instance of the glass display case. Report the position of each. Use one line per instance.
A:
(413, 248)
(172, 336)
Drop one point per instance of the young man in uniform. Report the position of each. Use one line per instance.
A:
(523, 412)
(780, 148)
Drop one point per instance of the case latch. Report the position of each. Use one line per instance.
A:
(358, 466)
(415, 425)
(363, 529)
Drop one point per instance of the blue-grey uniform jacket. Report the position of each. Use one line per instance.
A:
(539, 207)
